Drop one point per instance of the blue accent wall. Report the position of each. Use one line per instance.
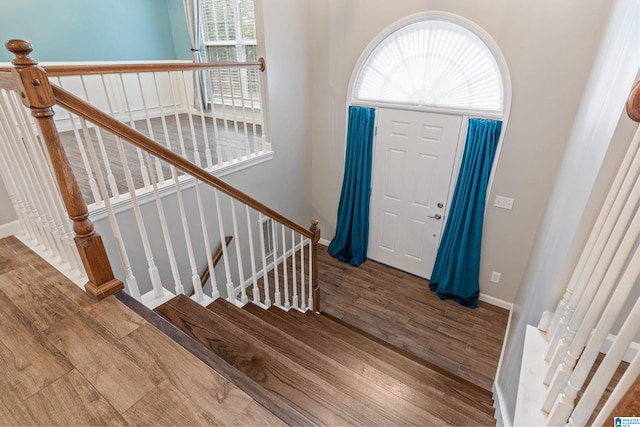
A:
(96, 30)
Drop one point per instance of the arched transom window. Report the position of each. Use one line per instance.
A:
(432, 63)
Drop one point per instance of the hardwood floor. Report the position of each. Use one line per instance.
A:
(398, 308)
(231, 144)
(68, 360)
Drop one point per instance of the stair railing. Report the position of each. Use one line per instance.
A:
(186, 214)
(571, 384)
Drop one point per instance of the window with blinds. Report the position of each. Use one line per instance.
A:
(229, 30)
(432, 63)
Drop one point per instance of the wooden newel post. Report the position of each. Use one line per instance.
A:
(36, 94)
(314, 271)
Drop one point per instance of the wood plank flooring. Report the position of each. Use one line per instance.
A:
(68, 360)
(398, 308)
(330, 373)
(180, 133)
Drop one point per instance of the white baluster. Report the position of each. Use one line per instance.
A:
(107, 165)
(303, 307)
(287, 303)
(236, 136)
(310, 303)
(143, 167)
(207, 243)
(223, 108)
(243, 293)
(295, 272)
(607, 368)
(50, 196)
(225, 255)
(564, 404)
(253, 116)
(41, 234)
(628, 378)
(621, 210)
(276, 285)
(196, 153)
(153, 269)
(265, 273)
(183, 149)
(216, 134)
(591, 306)
(629, 168)
(130, 278)
(157, 165)
(175, 272)
(266, 145)
(205, 133)
(244, 115)
(256, 289)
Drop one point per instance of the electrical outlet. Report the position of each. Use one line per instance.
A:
(503, 202)
(495, 277)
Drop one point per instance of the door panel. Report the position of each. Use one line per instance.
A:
(413, 164)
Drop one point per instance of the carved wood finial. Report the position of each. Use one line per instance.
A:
(21, 49)
(314, 225)
(633, 103)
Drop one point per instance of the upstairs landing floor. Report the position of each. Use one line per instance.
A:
(68, 360)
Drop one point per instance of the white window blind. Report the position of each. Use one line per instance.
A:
(229, 30)
(432, 63)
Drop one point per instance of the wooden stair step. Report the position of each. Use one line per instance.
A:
(423, 375)
(318, 400)
(374, 397)
(438, 395)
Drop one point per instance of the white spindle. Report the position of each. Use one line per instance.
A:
(294, 269)
(200, 87)
(225, 255)
(216, 135)
(157, 165)
(253, 117)
(51, 200)
(265, 275)
(565, 401)
(590, 308)
(254, 278)
(623, 386)
(130, 278)
(629, 168)
(196, 153)
(274, 237)
(236, 136)
(19, 157)
(153, 269)
(207, 243)
(287, 303)
(223, 108)
(183, 149)
(244, 114)
(143, 167)
(303, 290)
(243, 293)
(107, 165)
(607, 368)
(310, 303)
(175, 272)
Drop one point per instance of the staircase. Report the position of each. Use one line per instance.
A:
(328, 372)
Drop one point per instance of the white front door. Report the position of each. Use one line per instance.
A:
(412, 170)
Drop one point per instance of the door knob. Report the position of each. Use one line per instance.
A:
(436, 216)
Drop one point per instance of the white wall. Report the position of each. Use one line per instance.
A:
(599, 139)
(549, 47)
(7, 213)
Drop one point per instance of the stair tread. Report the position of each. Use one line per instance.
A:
(421, 371)
(315, 398)
(396, 410)
(436, 393)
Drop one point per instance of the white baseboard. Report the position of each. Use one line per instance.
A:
(10, 229)
(497, 302)
(324, 242)
(502, 417)
(631, 352)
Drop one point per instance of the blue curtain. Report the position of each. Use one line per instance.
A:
(352, 231)
(457, 267)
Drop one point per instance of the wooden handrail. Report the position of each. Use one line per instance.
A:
(86, 69)
(88, 112)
